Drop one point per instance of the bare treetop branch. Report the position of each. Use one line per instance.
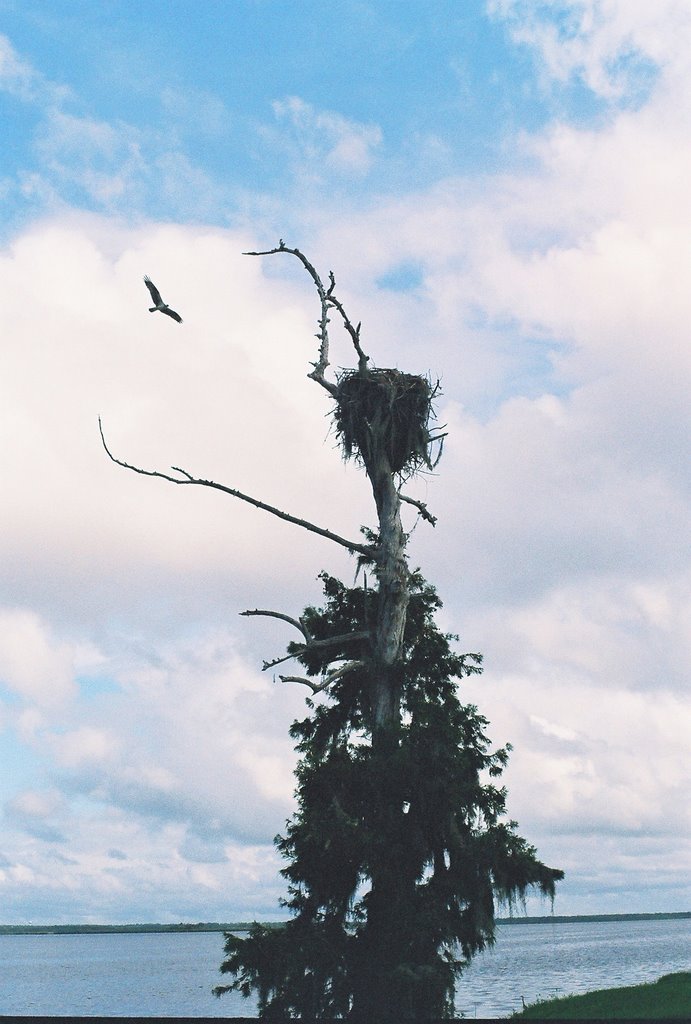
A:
(327, 300)
(186, 478)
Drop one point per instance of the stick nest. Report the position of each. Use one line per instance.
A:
(385, 412)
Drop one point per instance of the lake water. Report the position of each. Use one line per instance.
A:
(172, 974)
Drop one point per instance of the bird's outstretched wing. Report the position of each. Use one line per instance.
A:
(155, 294)
(171, 312)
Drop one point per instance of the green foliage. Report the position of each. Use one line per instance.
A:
(422, 816)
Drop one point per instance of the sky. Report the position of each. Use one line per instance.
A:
(501, 190)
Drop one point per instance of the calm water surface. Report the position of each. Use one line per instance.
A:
(172, 974)
(547, 960)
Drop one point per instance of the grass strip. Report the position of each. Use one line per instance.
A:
(668, 998)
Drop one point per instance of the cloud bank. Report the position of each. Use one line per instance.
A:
(151, 754)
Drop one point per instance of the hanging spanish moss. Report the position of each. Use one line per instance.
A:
(385, 411)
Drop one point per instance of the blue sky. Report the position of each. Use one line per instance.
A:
(501, 191)
(433, 69)
(212, 84)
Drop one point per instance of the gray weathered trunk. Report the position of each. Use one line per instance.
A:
(392, 601)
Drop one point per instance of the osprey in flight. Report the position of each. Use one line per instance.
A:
(160, 305)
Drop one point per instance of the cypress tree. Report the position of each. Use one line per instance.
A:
(400, 848)
(424, 816)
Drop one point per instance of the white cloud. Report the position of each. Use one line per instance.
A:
(562, 519)
(33, 663)
(84, 879)
(37, 805)
(115, 165)
(156, 744)
(195, 107)
(590, 759)
(601, 631)
(555, 302)
(211, 396)
(38, 813)
(184, 769)
(562, 544)
(324, 136)
(103, 159)
(169, 700)
(20, 79)
(552, 729)
(613, 45)
(84, 746)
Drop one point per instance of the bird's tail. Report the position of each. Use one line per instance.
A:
(152, 309)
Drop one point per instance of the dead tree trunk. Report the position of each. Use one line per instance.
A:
(392, 604)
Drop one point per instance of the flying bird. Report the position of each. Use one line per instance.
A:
(160, 305)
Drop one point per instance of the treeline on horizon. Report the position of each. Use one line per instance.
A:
(244, 926)
(96, 929)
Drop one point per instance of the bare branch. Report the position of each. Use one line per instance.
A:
(323, 333)
(332, 677)
(440, 439)
(298, 623)
(327, 300)
(421, 507)
(301, 679)
(354, 333)
(189, 479)
(310, 643)
(332, 641)
(337, 673)
(277, 661)
(176, 469)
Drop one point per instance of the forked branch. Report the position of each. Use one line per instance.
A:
(314, 645)
(187, 478)
(328, 301)
(310, 643)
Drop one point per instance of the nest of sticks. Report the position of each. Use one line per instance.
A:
(385, 411)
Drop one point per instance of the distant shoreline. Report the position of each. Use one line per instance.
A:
(243, 926)
(592, 918)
